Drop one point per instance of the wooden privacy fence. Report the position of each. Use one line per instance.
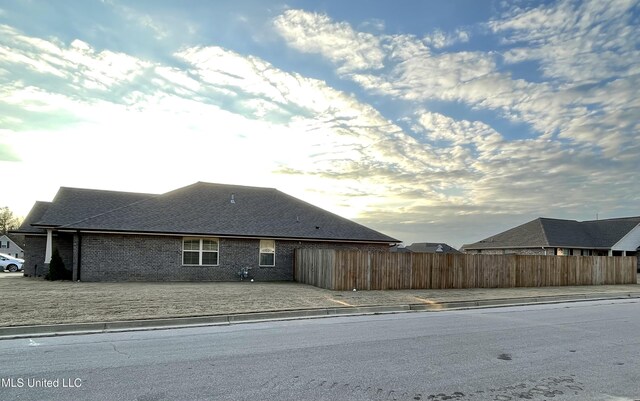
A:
(348, 269)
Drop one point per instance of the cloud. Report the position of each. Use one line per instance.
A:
(575, 41)
(161, 26)
(440, 39)
(123, 104)
(338, 42)
(7, 154)
(374, 23)
(77, 64)
(548, 34)
(584, 125)
(210, 112)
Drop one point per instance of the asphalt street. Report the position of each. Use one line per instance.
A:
(573, 351)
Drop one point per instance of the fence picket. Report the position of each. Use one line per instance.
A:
(347, 269)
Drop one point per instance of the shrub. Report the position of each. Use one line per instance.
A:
(57, 270)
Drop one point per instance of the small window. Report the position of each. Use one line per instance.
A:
(200, 251)
(267, 253)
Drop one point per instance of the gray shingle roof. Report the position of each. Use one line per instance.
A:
(606, 233)
(546, 232)
(431, 247)
(205, 208)
(398, 249)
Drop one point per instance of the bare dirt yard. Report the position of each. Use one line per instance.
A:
(29, 301)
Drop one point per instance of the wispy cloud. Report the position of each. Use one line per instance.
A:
(337, 41)
(578, 42)
(579, 134)
(211, 109)
(440, 39)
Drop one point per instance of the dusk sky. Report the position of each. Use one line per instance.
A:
(436, 121)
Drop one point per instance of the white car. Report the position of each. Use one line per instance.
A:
(8, 262)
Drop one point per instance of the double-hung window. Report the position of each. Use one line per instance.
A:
(200, 251)
(267, 253)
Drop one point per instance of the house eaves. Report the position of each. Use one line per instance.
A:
(231, 236)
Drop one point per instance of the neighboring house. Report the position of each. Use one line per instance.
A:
(544, 236)
(10, 246)
(204, 231)
(425, 247)
(431, 247)
(399, 248)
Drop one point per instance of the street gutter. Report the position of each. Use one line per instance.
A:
(52, 330)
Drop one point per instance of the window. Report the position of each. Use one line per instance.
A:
(200, 251)
(267, 252)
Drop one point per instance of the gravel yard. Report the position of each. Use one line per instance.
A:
(35, 301)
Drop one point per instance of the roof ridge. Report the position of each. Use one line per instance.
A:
(544, 231)
(104, 190)
(218, 184)
(611, 219)
(230, 185)
(555, 218)
(110, 210)
(152, 196)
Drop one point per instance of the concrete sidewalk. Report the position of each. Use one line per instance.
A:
(44, 308)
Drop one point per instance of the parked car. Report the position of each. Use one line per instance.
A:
(8, 262)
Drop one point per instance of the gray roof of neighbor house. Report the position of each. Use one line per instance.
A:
(431, 247)
(398, 249)
(210, 209)
(546, 232)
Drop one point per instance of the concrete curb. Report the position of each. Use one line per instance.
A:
(50, 330)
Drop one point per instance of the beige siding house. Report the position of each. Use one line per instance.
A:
(10, 247)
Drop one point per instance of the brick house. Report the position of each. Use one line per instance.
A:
(545, 236)
(202, 232)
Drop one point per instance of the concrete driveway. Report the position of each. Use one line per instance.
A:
(44, 302)
(6, 274)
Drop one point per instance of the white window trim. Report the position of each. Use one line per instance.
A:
(260, 253)
(200, 251)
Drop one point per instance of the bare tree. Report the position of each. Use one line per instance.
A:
(8, 221)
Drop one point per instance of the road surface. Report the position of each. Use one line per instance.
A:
(573, 351)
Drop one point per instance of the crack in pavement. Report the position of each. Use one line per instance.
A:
(120, 352)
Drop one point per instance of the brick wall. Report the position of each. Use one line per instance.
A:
(64, 243)
(34, 250)
(107, 257)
